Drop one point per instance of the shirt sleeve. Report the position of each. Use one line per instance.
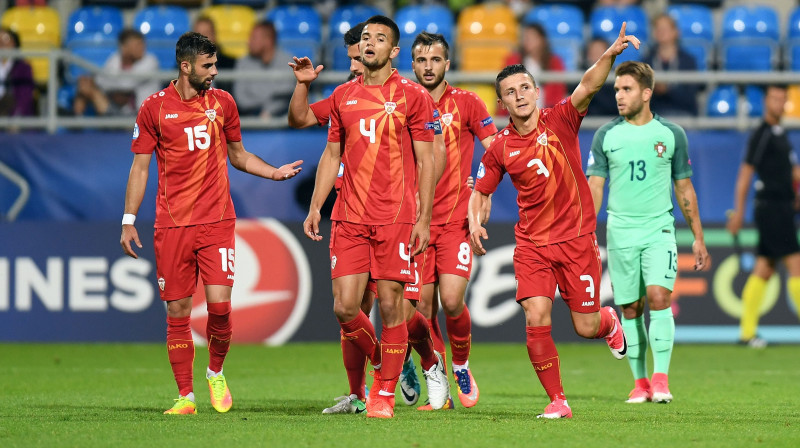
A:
(322, 111)
(145, 134)
(568, 114)
(681, 164)
(480, 122)
(232, 127)
(421, 120)
(597, 165)
(335, 131)
(491, 169)
(756, 146)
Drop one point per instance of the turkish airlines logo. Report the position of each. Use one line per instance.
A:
(272, 291)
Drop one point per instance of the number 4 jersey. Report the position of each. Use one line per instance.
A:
(190, 139)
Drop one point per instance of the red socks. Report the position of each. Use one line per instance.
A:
(419, 337)
(438, 340)
(355, 363)
(180, 349)
(544, 358)
(394, 342)
(361, 333)
(459, 331)
(218, 333)
(606, 323)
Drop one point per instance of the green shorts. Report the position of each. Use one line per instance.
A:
(632, 269)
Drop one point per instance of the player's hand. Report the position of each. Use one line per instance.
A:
(129, 233)
(420, 237)
(470, 182)
(623, 41)
(702, 260)
(304, 70)
(287, 171)
(475, 236)
(734, 222)
(487, 210)
(311, 225)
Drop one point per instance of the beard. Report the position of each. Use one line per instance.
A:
(198, 83)
(376, 64)
(432, 84)
(634, 110)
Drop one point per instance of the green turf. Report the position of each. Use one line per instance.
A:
(113, 395)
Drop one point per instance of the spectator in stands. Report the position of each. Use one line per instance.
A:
(111, 93)
(604, 101)
(16, 80)
(667, 55)
(265, 98)
(535, 55)
(205, 26)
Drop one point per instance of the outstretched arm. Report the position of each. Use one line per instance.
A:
(327, 171)
(300, 113)
(687, 201)
(252, 164)
(134, 193)
(596, 75)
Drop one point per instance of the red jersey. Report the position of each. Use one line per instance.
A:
(190, 141)
(555, 203)
(463, 117)
(322, 111)
(376, 125)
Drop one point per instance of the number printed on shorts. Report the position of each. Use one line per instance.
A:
(673, 261)
(227, 256)
(464, 253)
(197, 137)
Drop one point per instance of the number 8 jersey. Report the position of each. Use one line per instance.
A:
(190, 139)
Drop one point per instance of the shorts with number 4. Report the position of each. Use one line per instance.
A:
(380, 250)
(183, 252)
(448, 252)
(573, 266)
(633, 269)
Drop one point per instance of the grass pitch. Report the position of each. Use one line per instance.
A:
(114, 394)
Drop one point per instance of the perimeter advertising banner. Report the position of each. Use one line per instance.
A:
(70, 281)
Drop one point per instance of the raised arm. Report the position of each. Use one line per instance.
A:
(596, 185)
(327, 171)
(743, 180)
(252, 164)
(477, 204)
(300, 113)
(596, 75)
(687, 201)
(134, 194)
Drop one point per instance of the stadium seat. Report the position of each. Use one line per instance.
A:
(749, 38)
(299, 29)
(162, 26)
(87, 21)
(414, 19)
(250, 3)
(754, 100)
(793, 103)
(792, 49)
(564, 27)
(487, 34)
(605, 22)
(696, 26)
(486, 93)
(95, 48)
(233, 24)
(39, 28)
(342, 19)
(723, 102)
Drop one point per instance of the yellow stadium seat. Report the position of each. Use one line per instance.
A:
(487, 34)
(486, 93)
(233, 24)
(480, 56)
(793, 103)
(39, 28)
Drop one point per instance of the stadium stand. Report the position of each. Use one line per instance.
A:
(605, 22)
(754, 100)
(696, 26)
(749, 38)
(414, 19)
(299, 28)
(487, 34)
(233, 24)
(39, 28)
(341, 20)
(792, 46)
(161, 26)
(723, 102)
(564, 27)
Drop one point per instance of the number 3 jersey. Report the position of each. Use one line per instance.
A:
(555, 203)
(190, 139)
(375, 125)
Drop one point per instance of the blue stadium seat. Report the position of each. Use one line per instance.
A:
(792, 50)
(749, 38)
(564, 27)
(696, 26)
(299, 29)
(342, 19)
(414, 19)
(89, 20)
(754, 98)
(723, 102)
(162, 26)
(605, 22)
(94, 48)
(251, 3)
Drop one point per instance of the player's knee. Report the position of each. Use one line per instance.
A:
(343, 312)
(452, 306)
(585, 329)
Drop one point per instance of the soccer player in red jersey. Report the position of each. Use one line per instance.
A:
(193, 130)
(556, 243)
(448, 259)
(382, 128)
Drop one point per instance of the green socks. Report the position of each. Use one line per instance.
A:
(662, 338)
(636, 334)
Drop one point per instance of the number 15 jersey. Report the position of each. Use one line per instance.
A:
(190, 139)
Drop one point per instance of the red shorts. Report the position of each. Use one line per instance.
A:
(182, 252)
(448, 252)
(574, 266)
(380, 250)
(412, 291)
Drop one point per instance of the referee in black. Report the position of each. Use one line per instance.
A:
(769, 154)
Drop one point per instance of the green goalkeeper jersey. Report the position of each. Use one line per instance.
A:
(640, 163)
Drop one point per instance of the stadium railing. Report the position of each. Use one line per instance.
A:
(51, 121)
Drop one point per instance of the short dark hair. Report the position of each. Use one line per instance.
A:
(270, 27)
(385, 21)
(128, 34)
(191, 44)
(353, 35)
(640, 71)
(508, 71)
(427, 39)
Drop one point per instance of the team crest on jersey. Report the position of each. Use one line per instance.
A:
(389, 106)
(211, 114)
(660, 148)
(161, 283)
(447, 119)
(542, 138)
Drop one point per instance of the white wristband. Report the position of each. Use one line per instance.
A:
(128, 218)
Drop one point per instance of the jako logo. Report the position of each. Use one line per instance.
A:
(170, 116)
(544, 367)
(394, 351)
(273, 285)
(174, 346)
(589, 303)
